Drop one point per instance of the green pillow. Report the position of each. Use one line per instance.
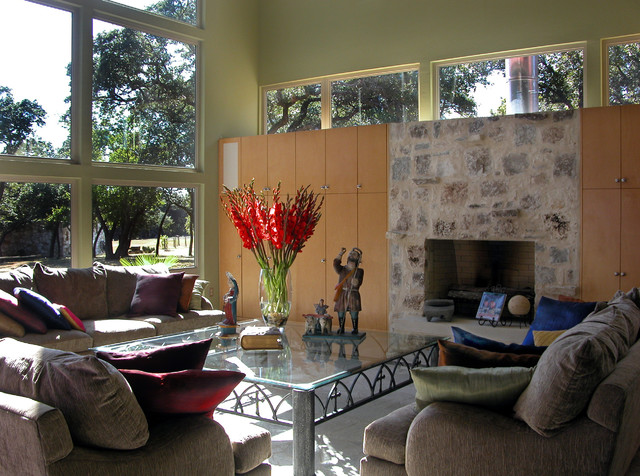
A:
(492, 387)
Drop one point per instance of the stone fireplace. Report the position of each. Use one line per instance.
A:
(471, 184)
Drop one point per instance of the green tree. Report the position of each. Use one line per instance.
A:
(17, 120)
(624, 74)
(560, 80)
(294, 109)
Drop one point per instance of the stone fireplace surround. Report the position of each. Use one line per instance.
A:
(508, 178)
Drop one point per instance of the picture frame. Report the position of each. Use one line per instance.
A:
(491, 306)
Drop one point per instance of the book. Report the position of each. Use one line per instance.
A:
(260, 338)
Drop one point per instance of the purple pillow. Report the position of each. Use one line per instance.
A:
(156, 294)
(29, 320)
(184, 392)
(170, 358)
(42, 307)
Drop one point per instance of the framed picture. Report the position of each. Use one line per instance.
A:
(491, 306)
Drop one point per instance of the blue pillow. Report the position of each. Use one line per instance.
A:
(553, 315)
(42, 307)
(460, 336)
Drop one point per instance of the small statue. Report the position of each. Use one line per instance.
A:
(230, 305)
(347, 297)
(320, 322)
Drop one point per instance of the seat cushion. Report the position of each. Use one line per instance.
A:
(386, 437)
(71, 341)
(111, 331)
(251, 445)
(184, 321)
(93, 396)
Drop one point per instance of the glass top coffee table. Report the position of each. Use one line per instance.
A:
(311, 380)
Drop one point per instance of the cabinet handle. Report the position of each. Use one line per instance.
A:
(324, 187)
(623, 274)
(623, 180)
(239, 256)
(266, 189)
(323, 260)
(617, 180)
(359, 186)
(616, 274)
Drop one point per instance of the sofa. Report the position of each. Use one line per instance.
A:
(577, 411)
(64, 414)
(103, 299)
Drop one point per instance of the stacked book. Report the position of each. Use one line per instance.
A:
(260, 338)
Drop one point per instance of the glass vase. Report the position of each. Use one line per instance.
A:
(275, 295)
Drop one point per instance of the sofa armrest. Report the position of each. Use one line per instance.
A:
(34, 435)
(206, 304)
(452, 438)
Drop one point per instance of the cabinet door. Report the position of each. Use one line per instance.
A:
(342, 159)
(308, 275)
(341, 221)
(254, 162)
(372, 159)
(310, 154)
(600, 147)
(372, 229)
(630, 239)
(600, 244)
(282, 162)
(630, 146)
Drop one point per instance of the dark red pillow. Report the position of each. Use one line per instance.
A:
(156, 294)
(29, 320)
(184, 392)
(170, 358)
(466, 356)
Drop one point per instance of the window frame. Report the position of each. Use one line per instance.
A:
(436, 65)
(325, 89)
(606, 43)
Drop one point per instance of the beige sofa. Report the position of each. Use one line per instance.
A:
(579, 413)
(100, 296)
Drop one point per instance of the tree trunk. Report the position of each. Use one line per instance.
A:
(166, 212)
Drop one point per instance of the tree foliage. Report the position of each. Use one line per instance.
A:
(17, 120)
(624, 74)
(560, 80)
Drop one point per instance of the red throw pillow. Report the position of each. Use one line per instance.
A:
(466, 356)
(73, 320)
(156, 294)
(10, 306)
(170, 358)
(188, 281)
(184, 392)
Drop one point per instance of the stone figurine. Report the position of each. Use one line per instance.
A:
(230, 299)
(347, 297)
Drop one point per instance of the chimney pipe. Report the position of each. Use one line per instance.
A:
(523, 84)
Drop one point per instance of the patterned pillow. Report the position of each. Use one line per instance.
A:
(196, 296)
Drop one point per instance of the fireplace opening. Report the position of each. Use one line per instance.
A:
(462, 270)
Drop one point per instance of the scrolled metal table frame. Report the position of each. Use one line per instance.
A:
(272, 402)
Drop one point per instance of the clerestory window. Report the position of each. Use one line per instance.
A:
(623, 70)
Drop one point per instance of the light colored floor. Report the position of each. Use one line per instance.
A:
(339, 441)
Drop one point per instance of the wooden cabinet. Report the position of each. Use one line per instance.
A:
(349, 167)
(610, 201)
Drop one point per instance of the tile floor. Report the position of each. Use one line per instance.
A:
(339, 441)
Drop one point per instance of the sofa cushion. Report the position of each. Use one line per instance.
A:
(554, 315)
(183, 392)
(121, 284)
(93, 396)
(184, 321)
(42, 307)
(575, 363)
(386, 437)
(188, 282)
(111, 331)
(83, 290)
(10, 327)
(71, 341)
(169, 358)
(25, 317)
(156, 294)
(198, 292)
(490, 387)
(22, 276)
(466, 356)
(461, 336)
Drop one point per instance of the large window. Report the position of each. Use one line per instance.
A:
(34, 84)
(341, 101)
(546, 81)
(183, 10)
(623, 71)
(144, 98)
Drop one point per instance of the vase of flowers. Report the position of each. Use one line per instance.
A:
(275, 232)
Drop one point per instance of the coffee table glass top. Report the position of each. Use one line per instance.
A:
(305, 362)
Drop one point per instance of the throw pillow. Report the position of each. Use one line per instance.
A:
(188, 282)
(490, 387)
(465, 356)
(93, 396)
(184, 392)
(460, 336)
(10, 327)
(156, 294)
(196, 296)
(83, 290)
(10, 306)
(170, 358)
(71, 318)
(121, 284)
(42, 307)
(546, 337)
(574, 365)
(554, 315)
